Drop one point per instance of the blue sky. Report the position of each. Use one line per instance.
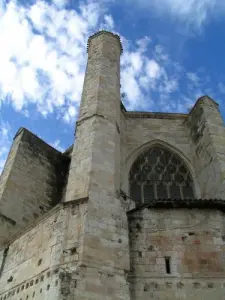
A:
(173, 53)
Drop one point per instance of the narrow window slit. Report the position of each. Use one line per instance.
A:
(167, 264)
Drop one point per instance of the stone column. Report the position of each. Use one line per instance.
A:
(207, 133)
(96, 150)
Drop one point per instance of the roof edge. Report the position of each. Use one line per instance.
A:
(23, 130)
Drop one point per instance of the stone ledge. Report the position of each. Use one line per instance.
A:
(215, 204)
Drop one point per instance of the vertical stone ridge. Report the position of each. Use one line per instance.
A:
(207, 132)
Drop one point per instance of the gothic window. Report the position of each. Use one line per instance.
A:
(159, 174)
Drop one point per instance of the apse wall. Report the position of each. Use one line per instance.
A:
(198, 137)
(142, 130)
(177, 254)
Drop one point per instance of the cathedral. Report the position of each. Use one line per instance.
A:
(133, 210)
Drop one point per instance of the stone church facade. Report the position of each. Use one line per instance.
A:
(133, 210)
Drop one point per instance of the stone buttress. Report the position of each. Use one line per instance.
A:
(207, 134)
(94, 174)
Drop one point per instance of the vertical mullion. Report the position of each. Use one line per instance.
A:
(155, 190)
(181, 192)
(142, 193)
(168, 190)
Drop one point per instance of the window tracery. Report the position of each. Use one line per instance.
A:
(159, 174)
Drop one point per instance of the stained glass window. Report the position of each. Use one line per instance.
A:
(159, 174)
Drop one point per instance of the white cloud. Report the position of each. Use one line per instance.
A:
(143, 44)
(108, 23)
(56, 145)
(194, 12)
(160, 54)
(152, 69)
(43, 53)
(70, 115)
(60, 3)
(194, 78)
(168, 86)
(221, 87)
(142, 75)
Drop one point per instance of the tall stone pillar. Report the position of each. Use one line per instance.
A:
(94, 176)
(207, 132)
(96, 151)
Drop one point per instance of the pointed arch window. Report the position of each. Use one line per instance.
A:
(159, 174)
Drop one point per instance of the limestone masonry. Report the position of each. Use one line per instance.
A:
(133, 210)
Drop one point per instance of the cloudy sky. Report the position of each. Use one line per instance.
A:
(173, 53)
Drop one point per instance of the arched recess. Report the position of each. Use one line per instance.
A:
(162, 171)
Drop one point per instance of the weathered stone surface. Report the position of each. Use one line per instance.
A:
(207, 134)
(194, 242)
(31, 183)
(98, 122)
(39, 255)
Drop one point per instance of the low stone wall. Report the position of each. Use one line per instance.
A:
(35, 264)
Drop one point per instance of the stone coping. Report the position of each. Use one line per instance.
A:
(211, 204)
(164, 115)
(23, 130)
(69, 150)
(154, 115)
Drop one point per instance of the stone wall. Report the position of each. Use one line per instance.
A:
(32, 180)
(192, 240)
(36, 263)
